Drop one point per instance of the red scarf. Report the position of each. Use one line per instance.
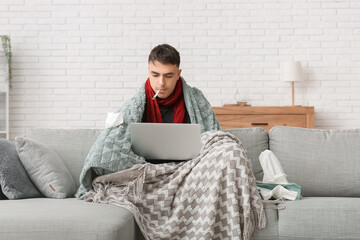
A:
(176, 100)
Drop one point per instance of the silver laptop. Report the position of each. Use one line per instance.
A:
(165, 141)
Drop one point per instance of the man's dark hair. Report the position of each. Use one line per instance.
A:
(165, 54)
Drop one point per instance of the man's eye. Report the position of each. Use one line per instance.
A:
(155, 75)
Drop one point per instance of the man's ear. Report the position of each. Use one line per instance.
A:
(149, 73)
(179, 72)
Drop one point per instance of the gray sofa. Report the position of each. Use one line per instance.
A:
(325, 163)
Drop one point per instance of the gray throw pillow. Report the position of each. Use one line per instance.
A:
(2, 196)
(45, 168)
(15, 182)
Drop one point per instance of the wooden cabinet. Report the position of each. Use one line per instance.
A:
(234, 116)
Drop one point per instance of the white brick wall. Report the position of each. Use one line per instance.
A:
(74, 61)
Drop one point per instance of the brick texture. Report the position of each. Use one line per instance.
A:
(76, 60)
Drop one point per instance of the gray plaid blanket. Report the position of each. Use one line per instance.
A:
(112, 151)
(213, 196)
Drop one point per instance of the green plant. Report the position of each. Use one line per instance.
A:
(6, 44)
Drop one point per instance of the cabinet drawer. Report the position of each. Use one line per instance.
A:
(264, 121)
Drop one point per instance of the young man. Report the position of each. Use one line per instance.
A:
(176, 102)
(213, 196)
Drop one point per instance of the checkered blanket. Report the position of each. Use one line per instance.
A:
(213, 196)
(112, 150)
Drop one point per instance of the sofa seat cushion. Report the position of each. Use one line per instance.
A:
(320, 218)
(46, 218)
(270, 232)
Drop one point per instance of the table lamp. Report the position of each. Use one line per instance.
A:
(292, 73)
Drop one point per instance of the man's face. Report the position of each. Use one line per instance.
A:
(164, 77)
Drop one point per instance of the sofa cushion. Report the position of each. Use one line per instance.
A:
(71, 145)
(45, 169)
(15, 182)
(271, 231)
(322, 162)
(47, 218)
(320, 218)
(255, 140)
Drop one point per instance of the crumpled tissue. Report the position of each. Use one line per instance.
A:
(113, 119)
(274, 176)
(273, 171)
(278, 192)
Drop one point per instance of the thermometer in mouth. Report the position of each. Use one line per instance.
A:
(156, 94)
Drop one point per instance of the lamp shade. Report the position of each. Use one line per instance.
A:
(292, 72)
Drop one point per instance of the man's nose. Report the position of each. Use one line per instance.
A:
(161, 81)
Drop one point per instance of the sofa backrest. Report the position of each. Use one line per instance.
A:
(255, 140)
(322, 162)
(72, 145)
